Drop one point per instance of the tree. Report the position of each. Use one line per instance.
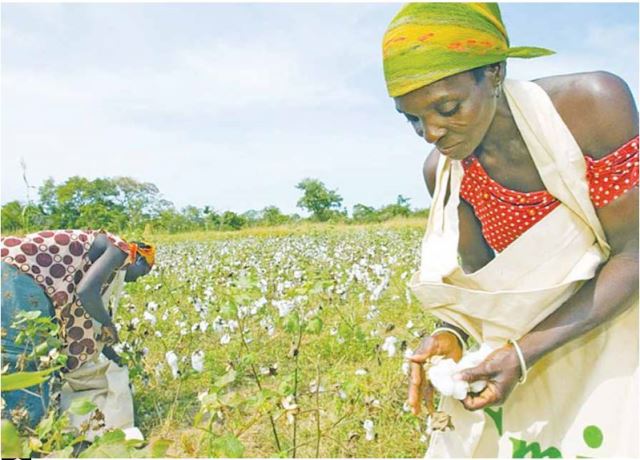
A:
(399, 208)
(140, 200)
(364, 213)
(12, 217)
(321, 202)
(117, 204)
(271, 215)
(231, 220)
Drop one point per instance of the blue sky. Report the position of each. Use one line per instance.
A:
(231, 105)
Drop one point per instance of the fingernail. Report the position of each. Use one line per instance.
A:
(457, 376)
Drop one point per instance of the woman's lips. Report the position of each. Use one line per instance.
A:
(447, 150)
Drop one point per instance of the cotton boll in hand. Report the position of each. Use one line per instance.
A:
(442, 371)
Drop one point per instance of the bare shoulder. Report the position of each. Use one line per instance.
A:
(597, 107)
(429, 170)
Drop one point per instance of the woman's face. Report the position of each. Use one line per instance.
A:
(453, 113)
(136, 270)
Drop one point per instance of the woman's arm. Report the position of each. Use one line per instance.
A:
(89, 288)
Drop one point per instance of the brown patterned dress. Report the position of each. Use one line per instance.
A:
(57, 260)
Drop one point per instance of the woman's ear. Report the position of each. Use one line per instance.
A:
(495, 73)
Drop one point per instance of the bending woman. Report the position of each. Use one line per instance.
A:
(532, 241)
(65, 274)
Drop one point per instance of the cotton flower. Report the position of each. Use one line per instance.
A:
(361, 372)
(369, 434)
(197, 360)
(172, 361)
(225, 339)
(152, 306)
(389, 345)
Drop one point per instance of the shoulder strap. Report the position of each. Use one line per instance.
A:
(554, 150)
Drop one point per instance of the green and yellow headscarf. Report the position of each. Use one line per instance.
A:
(426, 42)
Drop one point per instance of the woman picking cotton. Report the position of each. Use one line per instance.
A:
(71, 275)
(532, 241)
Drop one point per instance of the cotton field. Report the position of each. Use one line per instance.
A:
(289, 345)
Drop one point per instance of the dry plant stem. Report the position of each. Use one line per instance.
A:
(256, 377)
(175, 399)
(173, 406)
(318, 432)
(295, 386)
(251, 422)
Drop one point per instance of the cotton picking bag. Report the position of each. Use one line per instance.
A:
(579, 400)
(103, 382)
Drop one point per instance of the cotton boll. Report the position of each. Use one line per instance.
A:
(197, 360)
(442, 371)
(477, 386)
(460, 388)
(369, 430)
(389, 345)
(149, 317)
(172, 361)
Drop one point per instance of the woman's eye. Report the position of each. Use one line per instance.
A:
(411, 118)
(449, 108)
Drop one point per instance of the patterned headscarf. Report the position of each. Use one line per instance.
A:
(426, 42)
(147, 251)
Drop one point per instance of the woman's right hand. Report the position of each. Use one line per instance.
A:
(443, 344)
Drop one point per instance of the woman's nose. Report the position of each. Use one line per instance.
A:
(433, 134)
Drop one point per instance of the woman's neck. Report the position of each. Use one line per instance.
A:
(503, 143)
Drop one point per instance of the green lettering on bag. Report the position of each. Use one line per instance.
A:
(496, 416)
(521, 448)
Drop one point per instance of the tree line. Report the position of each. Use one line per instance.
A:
(123, 204)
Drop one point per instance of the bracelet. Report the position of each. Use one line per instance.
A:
(523, 364)
(452, 331)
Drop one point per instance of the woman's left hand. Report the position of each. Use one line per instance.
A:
(501, 370)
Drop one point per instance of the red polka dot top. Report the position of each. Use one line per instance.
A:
(506, 214)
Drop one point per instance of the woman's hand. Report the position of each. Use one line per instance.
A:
(109, 334)
(501, 370)
(442, 344)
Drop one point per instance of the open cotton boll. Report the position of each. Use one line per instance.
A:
(477, 386)
(197, 360)
(442, 371)
(172, 361)
(440, 375)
